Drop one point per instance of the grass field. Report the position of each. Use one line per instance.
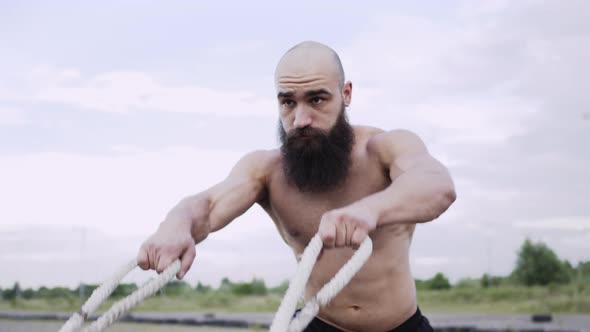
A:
(572, 298)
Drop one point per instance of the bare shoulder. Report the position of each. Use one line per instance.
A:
(389, 145)
(257, 163)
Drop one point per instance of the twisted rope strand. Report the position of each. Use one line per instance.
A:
(118, 309)
(98, 296)
(287, 307)
(123, 306)
(282, 321)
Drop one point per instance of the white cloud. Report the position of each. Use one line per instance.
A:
(573, 223)
(238, 46)
(11, 117)
(482, 77)
(126, 149)
(433, 261)
(63, 255)
(498, 92)
(51, 199)
(115, 194)
(46, 75)
(127, 91)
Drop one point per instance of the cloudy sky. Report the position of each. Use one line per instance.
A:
(111, 113)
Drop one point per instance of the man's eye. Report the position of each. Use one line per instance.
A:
(316, 100)
(288, 103)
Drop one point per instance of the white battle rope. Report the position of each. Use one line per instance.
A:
(282, 321)
(121, 307)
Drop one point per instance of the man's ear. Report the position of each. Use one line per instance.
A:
(347, 93)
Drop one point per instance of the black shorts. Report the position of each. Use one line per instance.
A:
(416, 323)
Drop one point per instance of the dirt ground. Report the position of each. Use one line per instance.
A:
(50, 326)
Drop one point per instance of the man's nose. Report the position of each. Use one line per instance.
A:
(302, 117)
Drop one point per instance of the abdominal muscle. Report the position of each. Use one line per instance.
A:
(380, 297)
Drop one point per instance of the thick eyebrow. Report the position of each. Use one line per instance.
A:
(307, 94)
(285, 95)
(313, 93)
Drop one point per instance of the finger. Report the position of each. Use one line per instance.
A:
(340, 240)
(186, 261)
(350, 227)
(164, 262)
(358, 237)
(327, 232)
(142, 259)
(154, 258)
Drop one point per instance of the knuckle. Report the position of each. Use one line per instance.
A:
(166, 251)
(328, 237)
(357, 240)
(148, 246)
(142, 259)
(330, 215)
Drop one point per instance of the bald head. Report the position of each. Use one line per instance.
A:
(311, 57)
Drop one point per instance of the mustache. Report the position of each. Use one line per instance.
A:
(305, 132)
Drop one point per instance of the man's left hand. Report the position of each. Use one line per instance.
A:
(347, 226)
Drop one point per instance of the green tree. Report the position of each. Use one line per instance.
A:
(60, 292)
(467, 283)
(226, 285)
(201, 288)
(86, 291)
(42, 292)
(28, 294)
(570, 270)
(280, 289)
(421, 284)
(439, 281)
(177, 287)
(123, 290)
(492, 281)
(537, 264)
(13, 293)
(583, 270)
(255, 287)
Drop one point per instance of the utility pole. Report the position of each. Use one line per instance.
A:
(81, 289)
(489, 259)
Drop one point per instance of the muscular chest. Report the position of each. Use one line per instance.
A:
(297, 215)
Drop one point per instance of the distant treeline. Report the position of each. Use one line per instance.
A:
(173, 288)
(537, 265)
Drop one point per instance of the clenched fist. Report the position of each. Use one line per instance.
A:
(164, 247)
(347, 226)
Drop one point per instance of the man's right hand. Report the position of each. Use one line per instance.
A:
(165, 246)
(196, 216)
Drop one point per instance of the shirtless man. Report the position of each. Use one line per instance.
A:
(345, 182)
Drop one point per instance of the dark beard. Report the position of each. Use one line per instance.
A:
(320, 161)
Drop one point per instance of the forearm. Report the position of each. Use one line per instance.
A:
(192, 215)
(213, 209)
(414, 197)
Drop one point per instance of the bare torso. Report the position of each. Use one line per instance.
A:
(382, 295)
